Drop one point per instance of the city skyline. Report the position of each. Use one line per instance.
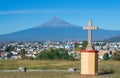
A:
(16, 15)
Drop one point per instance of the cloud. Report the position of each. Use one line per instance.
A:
(14, 12)
(27, 11)
(49, 11)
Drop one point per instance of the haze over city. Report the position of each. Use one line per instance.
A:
(16, 15)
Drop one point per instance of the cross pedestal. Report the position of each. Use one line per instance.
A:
(89, 57)
(89, 62)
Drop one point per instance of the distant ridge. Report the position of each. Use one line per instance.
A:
(113, 39)
(57, 29)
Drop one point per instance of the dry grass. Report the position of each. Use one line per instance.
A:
(48, 75)
(31, 75)
(38, 64)
(104, 66)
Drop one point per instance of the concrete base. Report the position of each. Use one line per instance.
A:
(89, 62)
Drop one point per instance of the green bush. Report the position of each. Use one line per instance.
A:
(106, 56)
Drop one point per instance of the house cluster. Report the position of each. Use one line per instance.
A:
(106, 47)
(12, 50)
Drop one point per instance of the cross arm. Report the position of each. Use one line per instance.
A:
(90, 27)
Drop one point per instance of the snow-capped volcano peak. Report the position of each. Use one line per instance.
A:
(56, 22)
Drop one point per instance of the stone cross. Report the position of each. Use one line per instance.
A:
(89, 28)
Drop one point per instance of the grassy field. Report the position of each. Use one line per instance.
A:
(104, 66)
(38, 64)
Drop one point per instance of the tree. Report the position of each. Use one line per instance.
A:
(76, 44)
(106, 56)
(9, 48)
(0, 52)
(116, 56)
(77, 48)
(84, 45)
(9, 55)
(97, 44)
(22, 52)
(54, 54)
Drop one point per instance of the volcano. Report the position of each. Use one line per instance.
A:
(57, 29)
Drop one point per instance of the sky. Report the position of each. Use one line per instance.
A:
(16, 15)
